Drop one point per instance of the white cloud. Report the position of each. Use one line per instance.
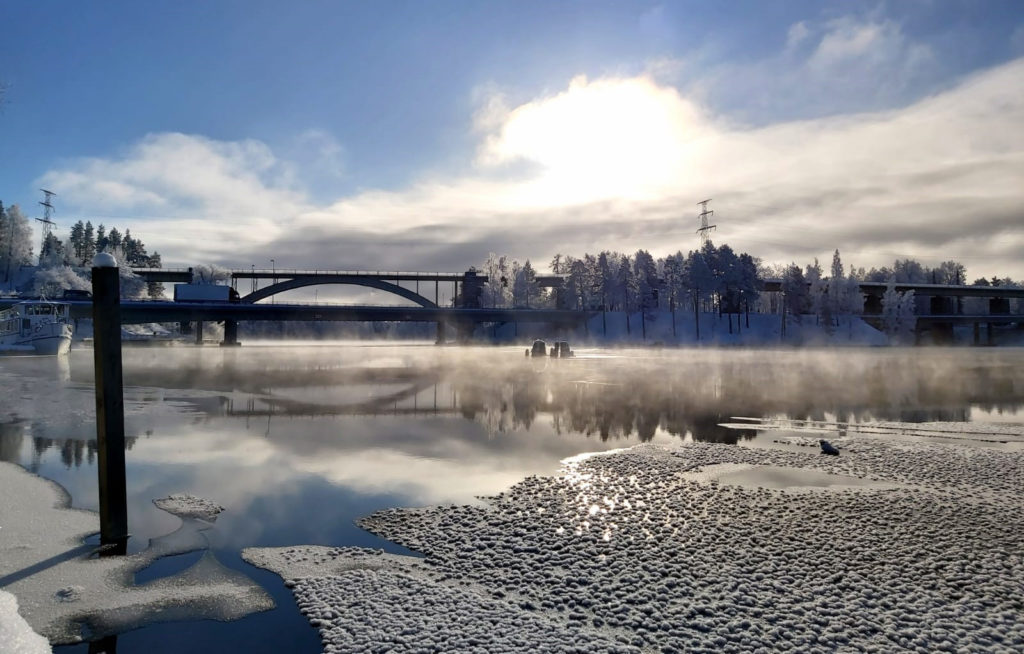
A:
(196, 196)
(616, 163)
(797, 34)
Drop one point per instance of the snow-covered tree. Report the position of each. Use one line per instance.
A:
(50, 282)
(898, 319)
(15, 241)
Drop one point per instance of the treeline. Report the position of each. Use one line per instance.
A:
(712, 278)
(63, 263)
(85, 242)
(716, 279)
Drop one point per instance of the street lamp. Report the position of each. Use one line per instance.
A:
(273, 270)
(252, 269)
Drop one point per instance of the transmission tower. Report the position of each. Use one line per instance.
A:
(47, 214)
(704, 226)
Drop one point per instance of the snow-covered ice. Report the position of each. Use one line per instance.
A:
(894, 546)
(67, 593)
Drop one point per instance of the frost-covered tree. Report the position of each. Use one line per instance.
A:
(15, 241)
(494, 289)
(52, 253)
(525, 288)
(206, 274)
(132, 286)
(50, 282)
(898, 319)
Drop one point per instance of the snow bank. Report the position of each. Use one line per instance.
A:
(638, 550)
(67, 594)
(15, 634)
(656, 327)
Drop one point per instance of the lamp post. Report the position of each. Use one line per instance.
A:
(273, 270)
(252, 269)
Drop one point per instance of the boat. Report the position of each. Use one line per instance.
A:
(35, 327)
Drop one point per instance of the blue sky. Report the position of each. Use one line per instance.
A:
(425, 134)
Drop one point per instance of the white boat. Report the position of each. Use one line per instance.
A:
(35, 327)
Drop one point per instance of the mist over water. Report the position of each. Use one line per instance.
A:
(298, 440)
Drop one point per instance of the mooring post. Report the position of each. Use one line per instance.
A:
(106, 321)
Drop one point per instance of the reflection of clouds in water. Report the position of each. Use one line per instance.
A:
(270, 426)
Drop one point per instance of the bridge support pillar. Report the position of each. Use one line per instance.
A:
(440, 333)
(230, 334)
(977, 334)
(199, 332)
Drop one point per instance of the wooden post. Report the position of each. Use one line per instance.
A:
(106, 320)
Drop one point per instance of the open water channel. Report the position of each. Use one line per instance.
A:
(299, 440)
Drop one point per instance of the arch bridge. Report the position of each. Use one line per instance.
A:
(466, 287)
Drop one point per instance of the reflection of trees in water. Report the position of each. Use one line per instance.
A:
(12, 435)
(73, 451)
(633, 401)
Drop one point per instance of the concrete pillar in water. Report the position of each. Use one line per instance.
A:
(199, 332)
(230, 333)
(106, 316)
(440, 333)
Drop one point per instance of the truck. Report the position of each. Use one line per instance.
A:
(204, 293)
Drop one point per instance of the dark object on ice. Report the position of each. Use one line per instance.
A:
(540, 348)
(561, 349)
(828, 448)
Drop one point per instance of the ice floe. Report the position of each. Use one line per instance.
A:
(67, 593)
(893, 546)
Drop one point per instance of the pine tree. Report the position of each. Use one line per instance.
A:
(114, 238)
(77, 241)
(101, 238)
(88, 244)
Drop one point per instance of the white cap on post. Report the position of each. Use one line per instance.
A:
(104, 260)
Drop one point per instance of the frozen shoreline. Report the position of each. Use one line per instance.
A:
(66, 593)
(892, 546)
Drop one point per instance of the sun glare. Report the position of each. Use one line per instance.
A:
(607, 138)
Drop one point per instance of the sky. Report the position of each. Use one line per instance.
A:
(424, 135)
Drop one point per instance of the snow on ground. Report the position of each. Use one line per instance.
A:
(891, 546)
(656, 326)
(67, 593)
(15, 633)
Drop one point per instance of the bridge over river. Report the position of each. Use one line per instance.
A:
(423, 290)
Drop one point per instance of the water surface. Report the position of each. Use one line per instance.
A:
(297, 441)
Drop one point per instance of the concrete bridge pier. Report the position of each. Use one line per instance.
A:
(440, 333)
(230, 334)
(199, 332)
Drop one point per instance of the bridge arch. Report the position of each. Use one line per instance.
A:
(301, 282)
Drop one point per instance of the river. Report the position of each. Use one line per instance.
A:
(298, 440)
